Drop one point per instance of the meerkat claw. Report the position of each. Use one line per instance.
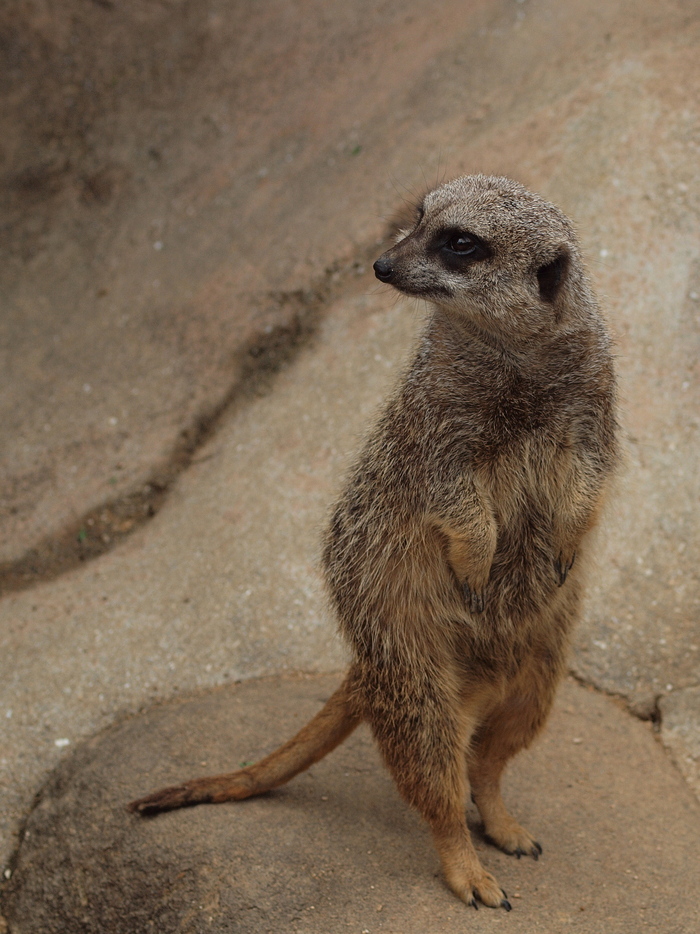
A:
(562, 567)
(474, 598)
(560, 571)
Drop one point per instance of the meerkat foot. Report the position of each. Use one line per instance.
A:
(465, 875)
(481, 888)
(514, 840)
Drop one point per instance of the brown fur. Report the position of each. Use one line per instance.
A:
(450, 555)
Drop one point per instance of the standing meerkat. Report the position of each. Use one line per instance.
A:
(454, 556)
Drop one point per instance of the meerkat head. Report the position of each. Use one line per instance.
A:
(491, 251)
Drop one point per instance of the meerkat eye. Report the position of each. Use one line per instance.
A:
(466, 246)
(459, 243)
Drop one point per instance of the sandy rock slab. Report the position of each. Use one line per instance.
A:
(680, 732)
(336, 850)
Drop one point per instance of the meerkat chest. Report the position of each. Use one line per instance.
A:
(526, 477)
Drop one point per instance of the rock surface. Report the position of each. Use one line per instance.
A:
(680, 732)
(179, 181)
(336, 850)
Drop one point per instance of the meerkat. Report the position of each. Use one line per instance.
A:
(454, 556)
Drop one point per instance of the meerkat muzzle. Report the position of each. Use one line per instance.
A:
(383, 269)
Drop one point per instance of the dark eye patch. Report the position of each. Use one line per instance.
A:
(458, 248)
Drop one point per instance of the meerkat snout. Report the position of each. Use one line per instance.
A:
(383, 269)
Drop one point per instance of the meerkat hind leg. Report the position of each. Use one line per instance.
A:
(500, 827)
(427, 764)
(506, 730)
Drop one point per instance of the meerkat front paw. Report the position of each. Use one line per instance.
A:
(473, 598)
(562, 566)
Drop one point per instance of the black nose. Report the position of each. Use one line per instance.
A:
(383, 269)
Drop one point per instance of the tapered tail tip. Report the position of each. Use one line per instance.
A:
(167, 799)
(213, 789)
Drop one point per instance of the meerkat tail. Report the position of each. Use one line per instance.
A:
(331, 725)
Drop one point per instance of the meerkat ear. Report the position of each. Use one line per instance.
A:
(551, 276)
